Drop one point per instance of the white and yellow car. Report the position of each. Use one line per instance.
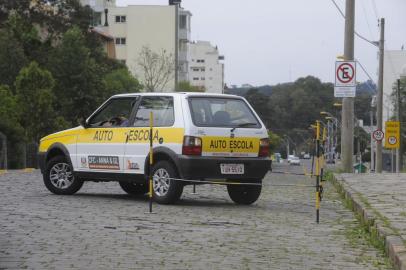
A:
(196, 136)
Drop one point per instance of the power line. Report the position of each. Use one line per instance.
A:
(366, 72)
(355, 32)
(366, 18)
(375, 10)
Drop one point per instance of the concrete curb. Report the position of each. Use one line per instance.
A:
(394, 245)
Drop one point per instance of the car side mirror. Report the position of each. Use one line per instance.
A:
(84, 123)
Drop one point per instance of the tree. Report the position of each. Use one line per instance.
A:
(121, 81)
(80, 87)
(12, 57)
(9, 113)
(35, 99)
(260, 103)
(157, 69)
(185, 86)
(274, 141)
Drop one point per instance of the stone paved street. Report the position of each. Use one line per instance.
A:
(383, 198)
(103, 228)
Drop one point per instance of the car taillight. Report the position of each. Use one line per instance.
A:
(192, 146)
(263, 147)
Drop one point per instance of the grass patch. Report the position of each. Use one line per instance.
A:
(361, 233)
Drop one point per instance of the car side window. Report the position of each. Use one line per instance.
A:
(116, 113)
(162, 109)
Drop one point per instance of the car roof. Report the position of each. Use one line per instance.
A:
(184, 94)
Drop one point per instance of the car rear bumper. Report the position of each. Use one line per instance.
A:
(197, 167)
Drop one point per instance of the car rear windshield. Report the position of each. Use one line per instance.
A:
(222, 112)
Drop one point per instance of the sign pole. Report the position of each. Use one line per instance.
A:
(151, 160)
(398, 152)
(317, 172)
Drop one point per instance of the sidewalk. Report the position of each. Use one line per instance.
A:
(380, 201)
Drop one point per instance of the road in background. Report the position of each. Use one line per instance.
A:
(102, 228)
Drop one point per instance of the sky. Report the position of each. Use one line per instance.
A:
(275, 41)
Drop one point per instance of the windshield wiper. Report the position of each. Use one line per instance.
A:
(243, 125)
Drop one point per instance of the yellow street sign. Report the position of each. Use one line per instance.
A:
(392, 134)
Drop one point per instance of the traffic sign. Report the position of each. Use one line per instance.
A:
(378, 135)
(345, 73)
(345, 79)
(392, 134)
(342, 92)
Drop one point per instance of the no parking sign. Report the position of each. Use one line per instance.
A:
(345, 79)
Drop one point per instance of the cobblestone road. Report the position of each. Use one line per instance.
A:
(102, 228)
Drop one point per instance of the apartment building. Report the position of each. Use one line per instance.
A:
(394, 68)
(206, 69)
(161, 28)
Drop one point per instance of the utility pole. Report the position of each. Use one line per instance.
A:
(380, 97)
(398, 150)
(371, 115)
(347, 122)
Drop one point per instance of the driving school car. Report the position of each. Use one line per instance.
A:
(196, 136)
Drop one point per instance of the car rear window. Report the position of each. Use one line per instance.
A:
(222, 112)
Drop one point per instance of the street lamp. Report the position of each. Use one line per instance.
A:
(332, 135)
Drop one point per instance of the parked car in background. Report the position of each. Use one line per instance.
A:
(294, 161)
(306, 156)
(290, 158)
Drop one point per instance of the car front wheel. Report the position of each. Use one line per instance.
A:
(165, 189)
(59, 178)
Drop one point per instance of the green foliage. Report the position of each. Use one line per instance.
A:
(69, 74)
(9, 114)
(274, 141)
(12, 57)
(185, 86)
(299, 104)
(80, 86)
(35, 99)
(121, 81)
(260, 102)
(362, 107)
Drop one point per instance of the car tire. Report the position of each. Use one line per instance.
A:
(244, 194)
(135, 189)
(59, 178)
(165, 190)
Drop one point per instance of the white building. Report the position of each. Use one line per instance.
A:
(158, 27)
(205, 69)
(394, 68)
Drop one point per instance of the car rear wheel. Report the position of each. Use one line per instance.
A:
(134, 188)
(244, 194)
(59, 178)
(165, 189)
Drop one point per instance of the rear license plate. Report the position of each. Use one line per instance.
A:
(232, 168)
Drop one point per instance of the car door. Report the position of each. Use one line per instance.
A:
(167, 130)
(100, 146)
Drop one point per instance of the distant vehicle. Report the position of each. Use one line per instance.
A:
(290, 158)
(294, 161)
(306, 156)
(278, 157)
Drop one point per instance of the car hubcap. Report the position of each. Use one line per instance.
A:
(61, 175)
(161, 182)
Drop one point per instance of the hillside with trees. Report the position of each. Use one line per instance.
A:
(289, 109)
